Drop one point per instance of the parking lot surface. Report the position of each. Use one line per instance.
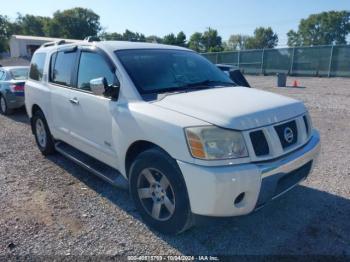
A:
(50, 206)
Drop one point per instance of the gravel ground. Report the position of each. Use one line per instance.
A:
(50, 206)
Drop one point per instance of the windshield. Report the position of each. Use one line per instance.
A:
(164, 70)
(20, 73)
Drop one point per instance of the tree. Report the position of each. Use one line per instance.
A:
(237, 42)
(133, 37)
(154, 39)
(181, 39)
(169, 39)
(294, 39)
(195, 42)
(325, 28)
(111, 36)
(211, 41)
(31, 25)
(263, 38)
(76, 23)
(4, 33)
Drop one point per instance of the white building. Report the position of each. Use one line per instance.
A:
(25, 45)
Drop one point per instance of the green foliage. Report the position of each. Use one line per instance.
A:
(5, 31)
(236, 42)
(325, 28)
(211, 41)
(133, 37)
(154, 39)
(263, 38)
(294, 39)
(171, 39)
(208, 41)
(181, 39)
(75, 23)
(31, 25)
(195, 42)
(126, 36)
(111, 36)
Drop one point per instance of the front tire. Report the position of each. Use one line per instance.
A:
(159, 192)
(4, 110)
(42, 134)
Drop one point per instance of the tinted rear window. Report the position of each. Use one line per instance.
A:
(37, 66)
(62, 67)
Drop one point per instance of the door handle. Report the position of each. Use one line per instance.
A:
(74, 101)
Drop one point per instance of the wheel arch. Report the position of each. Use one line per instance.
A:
(35, 108)
(137, 148)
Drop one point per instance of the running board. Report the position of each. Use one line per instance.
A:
(93, 165)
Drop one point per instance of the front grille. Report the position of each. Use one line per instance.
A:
(287, 133)
(259, 142)
(306, 125)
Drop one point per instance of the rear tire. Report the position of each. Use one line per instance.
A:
(159, 192)
(4, 110)
(42, 134)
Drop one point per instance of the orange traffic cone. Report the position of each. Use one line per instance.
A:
(295, 83)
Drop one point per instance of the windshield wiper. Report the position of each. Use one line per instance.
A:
(208, 83)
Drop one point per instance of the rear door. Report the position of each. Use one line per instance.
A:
(61, 75)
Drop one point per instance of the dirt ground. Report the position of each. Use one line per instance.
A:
(50, 206)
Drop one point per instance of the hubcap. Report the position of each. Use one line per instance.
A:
(40, 132)
(156, 194)
(3, 104)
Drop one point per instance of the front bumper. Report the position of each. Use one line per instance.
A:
(213, 190)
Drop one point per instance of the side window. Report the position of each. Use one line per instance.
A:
(91, 66)
(1, 75)
(52, 65)
(61, 71)
(37, 66)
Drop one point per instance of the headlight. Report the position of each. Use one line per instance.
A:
(214, 143)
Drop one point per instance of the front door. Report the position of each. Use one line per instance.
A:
(93, 114)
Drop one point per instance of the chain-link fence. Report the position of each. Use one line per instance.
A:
(333, 60)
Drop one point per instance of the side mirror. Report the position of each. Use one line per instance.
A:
(238, 78)
(99, 86)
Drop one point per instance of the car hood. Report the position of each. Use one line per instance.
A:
(237, 108)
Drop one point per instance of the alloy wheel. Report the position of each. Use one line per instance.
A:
(156, 194)
(41, 133)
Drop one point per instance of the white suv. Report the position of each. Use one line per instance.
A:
(169, 125)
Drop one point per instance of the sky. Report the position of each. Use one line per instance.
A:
(161, 17)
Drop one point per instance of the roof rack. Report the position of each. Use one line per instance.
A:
(92, 39)
(59, 42)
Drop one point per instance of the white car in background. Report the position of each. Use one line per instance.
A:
(169, 125)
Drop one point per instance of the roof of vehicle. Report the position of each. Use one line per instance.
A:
(41, 38)
(123, 45)
(115, 45)
(7, 68)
